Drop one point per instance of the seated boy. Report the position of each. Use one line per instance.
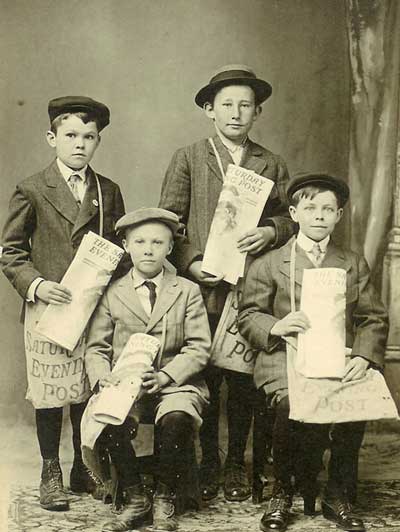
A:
(316, 204)
(152, 300)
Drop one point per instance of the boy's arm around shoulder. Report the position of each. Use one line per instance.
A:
(99, 351)
(256, 319)
(370, 318)
(175, 196)
(194, 354)
(16, 259)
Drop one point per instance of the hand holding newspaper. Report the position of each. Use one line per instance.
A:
(87, 278)
(321, 350)
(114, 402)
(240, 205)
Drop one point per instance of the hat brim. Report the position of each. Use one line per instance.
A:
(340, 187)
(262, 89)
(171, 225)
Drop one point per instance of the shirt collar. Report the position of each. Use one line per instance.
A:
(307, 244)
(67, 172)
(138, 280)
(229, 145)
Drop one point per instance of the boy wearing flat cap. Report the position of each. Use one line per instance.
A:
(192, 185)
(49, 214)
(150, 299)
(265, 319)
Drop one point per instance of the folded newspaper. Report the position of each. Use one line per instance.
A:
(112, 404)
(240, 205)
(87, 278)
(321, 350)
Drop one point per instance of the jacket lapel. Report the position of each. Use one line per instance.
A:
(90, 203)
(58, 193)
(212, 161)
(127, 295)
(168, 295)
(253, 158)
(335, 258)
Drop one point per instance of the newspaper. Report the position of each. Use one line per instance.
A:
(112, 404)
(87, 278)
(321, 350)
(240, 205)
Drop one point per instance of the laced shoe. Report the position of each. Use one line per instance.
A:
(52, 494)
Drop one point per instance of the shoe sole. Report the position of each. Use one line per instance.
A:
(144, 520)
(333, 520)
(55, 507)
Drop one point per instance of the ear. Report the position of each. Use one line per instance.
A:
(124, 244)
(339, 215)
(209, 110)
(51, 139)
(257, 112)
(171, 246)
(293, 213)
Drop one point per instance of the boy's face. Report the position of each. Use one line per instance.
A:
(318, 216)
(234, 111)
(75, 142)
(148, 245)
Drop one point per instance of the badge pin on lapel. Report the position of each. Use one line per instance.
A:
(95, 203)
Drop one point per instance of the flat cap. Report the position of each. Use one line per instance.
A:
(318, 180)
(148, 214)
(234, 75)
(76, 104)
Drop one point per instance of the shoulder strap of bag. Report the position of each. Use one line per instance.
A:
(293, 276)
(101, 208)
(217, 155)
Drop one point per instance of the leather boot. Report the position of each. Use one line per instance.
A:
(164, 518)
(278, 513)
(52, 494)
(137, 511)
(82, 480)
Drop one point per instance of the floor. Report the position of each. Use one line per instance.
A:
(379, 493)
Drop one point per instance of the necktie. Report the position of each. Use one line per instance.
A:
(152, 293)
(317, 254)
(73, 181)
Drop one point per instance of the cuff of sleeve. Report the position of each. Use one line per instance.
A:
(168, 375)
(270, 222)
(31, 292)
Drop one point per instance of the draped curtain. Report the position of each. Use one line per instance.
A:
(373, 28)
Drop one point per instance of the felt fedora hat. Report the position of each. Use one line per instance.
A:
(234, 75)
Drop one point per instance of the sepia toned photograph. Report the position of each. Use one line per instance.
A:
(200, 256)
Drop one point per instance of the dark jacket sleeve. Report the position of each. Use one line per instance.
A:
(175, 197)
(370, 319)
(16, 259)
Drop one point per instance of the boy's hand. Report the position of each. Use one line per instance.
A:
(108, 380)
(154, 381)
(256, 240)
(355, 369)
(293, 323)
(54, 293)
(201, 277)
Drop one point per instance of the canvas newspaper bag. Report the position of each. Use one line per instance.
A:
(55, 351)
(229, 349)
(328, 400)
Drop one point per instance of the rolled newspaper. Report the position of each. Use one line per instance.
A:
(87, 277)
(113, 403)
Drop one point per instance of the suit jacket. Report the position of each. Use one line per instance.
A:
(191, 189)
(266, 299)
(44, 226)
(120, 314)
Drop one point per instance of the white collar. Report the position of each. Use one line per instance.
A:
(138, 279)
(229, 145)
(307, 243)
(67, 172)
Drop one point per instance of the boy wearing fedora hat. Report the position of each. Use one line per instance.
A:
(192, 185)
(49, 214)
(151, 299)
(265, 319)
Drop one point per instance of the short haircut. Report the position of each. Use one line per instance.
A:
(229, 84)
(311, 191)
(83, 115)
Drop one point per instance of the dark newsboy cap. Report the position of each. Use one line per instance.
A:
(148, 214)
(234, 75)
(76, 104)
(318, 180)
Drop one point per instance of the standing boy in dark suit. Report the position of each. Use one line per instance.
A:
(191, 188)
(49, 214)
(265, 318)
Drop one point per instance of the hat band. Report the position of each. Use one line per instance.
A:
(232, 74)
